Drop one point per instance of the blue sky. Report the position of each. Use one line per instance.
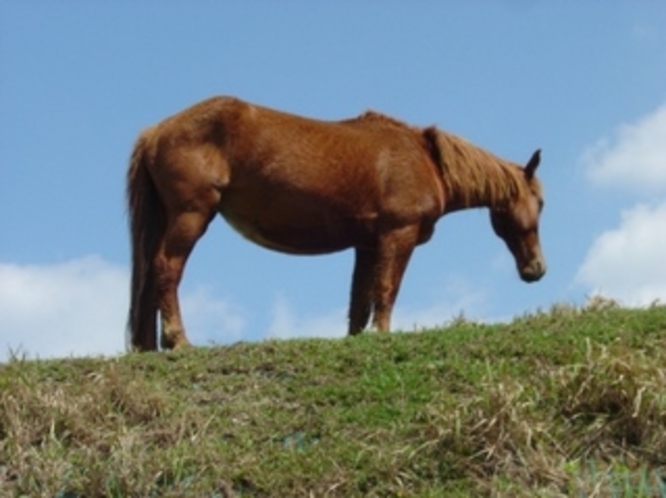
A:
(584, 81)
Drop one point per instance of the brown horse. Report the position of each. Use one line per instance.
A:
(305, 186)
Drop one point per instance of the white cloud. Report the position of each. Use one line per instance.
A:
(457, 297)
(634, 158)
(208, 318)
(627, 263)
(72, 308)
(285, 324)
(79, 308)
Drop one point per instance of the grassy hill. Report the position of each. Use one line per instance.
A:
(569, 402)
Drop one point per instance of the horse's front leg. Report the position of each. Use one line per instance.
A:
(394, 250)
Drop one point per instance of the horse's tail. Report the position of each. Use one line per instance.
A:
(147, 223)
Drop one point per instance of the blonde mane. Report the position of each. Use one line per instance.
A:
(473, 176)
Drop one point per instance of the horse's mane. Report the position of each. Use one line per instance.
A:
(472, 175)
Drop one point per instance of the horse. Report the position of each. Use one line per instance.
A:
(308, 186)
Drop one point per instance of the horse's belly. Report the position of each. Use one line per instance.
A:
(291, 237)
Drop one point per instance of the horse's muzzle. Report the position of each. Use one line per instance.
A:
(533, 271)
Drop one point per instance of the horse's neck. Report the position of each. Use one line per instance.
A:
(485, 183)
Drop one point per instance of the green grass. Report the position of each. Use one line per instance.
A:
(569, 402)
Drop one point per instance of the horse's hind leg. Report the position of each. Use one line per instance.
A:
(183, 231)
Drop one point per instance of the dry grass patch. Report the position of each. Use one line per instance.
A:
(565, 402)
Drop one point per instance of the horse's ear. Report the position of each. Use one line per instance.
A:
(533, 163)
(430, 136)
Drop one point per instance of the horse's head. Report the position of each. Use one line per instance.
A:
(517, 223)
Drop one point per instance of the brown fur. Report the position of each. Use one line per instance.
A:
(307, 186)
(380, 119)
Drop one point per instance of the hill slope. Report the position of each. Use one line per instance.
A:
(560, 403)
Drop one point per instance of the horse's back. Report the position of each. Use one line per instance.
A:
(298, 184)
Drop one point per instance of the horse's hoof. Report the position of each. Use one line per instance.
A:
(172, 343)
